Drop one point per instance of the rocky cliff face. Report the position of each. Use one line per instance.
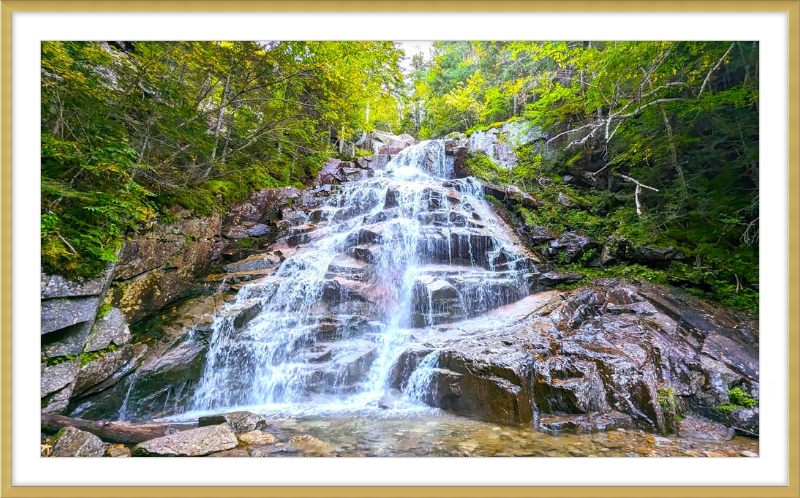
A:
(482, 335)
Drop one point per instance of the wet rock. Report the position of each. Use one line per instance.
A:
(62, 312)
(369, 253)
(556, 278)
(356, 174)
(241, 422)
(394, 144)
(258, 230)
(257, 262)
(108, 369)
(166, 381)
(338, 290)
(256, 438)
(117, 451)
(348, 267)
(375, 162)
(460, 156)
(112, 328)
(262, 206)
(235, 452)
(193, 442)
(570, 247)
(564, 384)
(71, 442)
(244, 312)
(697, 428)
(330, 172)
(743, 421)
(173, 363)
(483, 380)
(305, 440)
(583, 424)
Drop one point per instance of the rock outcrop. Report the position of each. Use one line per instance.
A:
(485, 337)
(193, 442)
(71, 442)
(598, 357)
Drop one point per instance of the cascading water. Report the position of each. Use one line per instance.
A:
(373, 267)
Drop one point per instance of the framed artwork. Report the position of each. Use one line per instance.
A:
(416, 230)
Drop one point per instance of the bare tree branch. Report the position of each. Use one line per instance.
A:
(716, 66)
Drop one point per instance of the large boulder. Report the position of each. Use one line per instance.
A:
(330, 172)
(393, 144)
(608, 356)
(499, 143)
(193, 442)
(161, 265)
(71, 442)
(375, 162)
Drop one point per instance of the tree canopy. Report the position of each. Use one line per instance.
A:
(664, 136)
(130, 129)
(660, 138)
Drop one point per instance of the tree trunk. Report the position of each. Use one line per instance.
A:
(228, 136)
(221, 115)
(113, 432)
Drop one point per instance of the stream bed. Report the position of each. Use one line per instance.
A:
(434, 433)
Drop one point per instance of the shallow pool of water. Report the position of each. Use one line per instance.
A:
(435, 433)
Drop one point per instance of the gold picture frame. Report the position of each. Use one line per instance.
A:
(792, 7)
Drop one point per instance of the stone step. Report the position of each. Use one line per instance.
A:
(450, 218)
(255, 262)
(346, 266)
(369, 253)
(449, 298)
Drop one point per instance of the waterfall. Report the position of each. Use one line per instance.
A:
(371, 265)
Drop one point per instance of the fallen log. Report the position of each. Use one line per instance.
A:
(112, 432)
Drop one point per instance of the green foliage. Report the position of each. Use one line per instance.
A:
(738, 399)
(665, 396)
(741, 398)
(60, 359)
(131, 129)
(86, 357)
(481, 166)
(90, 356)
(681, 117)
(104, 309)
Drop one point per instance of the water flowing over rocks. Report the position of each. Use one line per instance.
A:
(390, 285)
